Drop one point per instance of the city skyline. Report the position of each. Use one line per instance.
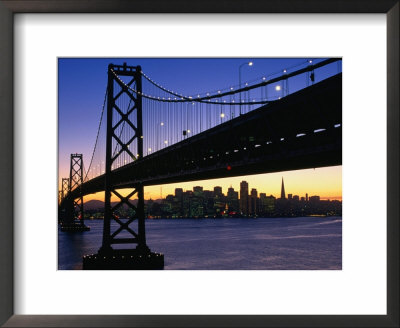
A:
(198, 202)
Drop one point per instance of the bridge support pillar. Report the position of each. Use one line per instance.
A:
(124, 109)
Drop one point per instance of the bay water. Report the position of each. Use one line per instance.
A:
(302, 243)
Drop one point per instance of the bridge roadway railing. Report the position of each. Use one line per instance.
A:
(302, 130)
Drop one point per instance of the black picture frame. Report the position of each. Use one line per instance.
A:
(7, 10)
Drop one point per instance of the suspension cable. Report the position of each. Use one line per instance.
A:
(98, 132)
(231, 92)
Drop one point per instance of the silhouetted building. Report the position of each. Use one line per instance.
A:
(178, 193)
(244, 198)
(233, 200)
(283, 195)
(253, 202)
(267, 204)
(218, 191)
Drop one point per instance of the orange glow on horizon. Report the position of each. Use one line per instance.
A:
(323, 182)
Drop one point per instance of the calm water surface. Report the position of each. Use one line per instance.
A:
(309, 243)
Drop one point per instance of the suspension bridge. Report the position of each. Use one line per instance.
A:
(149, 135)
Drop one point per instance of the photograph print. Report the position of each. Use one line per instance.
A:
(200, 163)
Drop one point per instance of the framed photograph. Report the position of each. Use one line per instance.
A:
(216, 132)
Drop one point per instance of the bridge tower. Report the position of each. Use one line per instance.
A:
(75, 181)
(74, 212)
(64, 187)
(136, 254)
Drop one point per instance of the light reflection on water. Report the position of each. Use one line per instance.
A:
(307, 243)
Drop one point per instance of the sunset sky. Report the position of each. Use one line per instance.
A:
(82, 84)
(323, 182)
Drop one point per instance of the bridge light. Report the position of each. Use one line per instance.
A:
(149, 149)
(310, 61)
(188, 131)
(222, 115)
(251, 63)
(284, 71)
(264, 78)
(165, 141)
(278, 88)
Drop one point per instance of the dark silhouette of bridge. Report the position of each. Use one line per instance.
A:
(300, 130)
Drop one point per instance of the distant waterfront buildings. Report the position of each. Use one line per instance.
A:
(198, 203)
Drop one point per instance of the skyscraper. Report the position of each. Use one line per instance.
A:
(218, 191)
(197, 189)
(253, 202)
(283, 195)
(244, 198)
(233, 199)
(178, 193)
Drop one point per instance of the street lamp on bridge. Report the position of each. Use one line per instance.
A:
(250, 63)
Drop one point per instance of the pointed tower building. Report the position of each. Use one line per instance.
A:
(283, 195)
